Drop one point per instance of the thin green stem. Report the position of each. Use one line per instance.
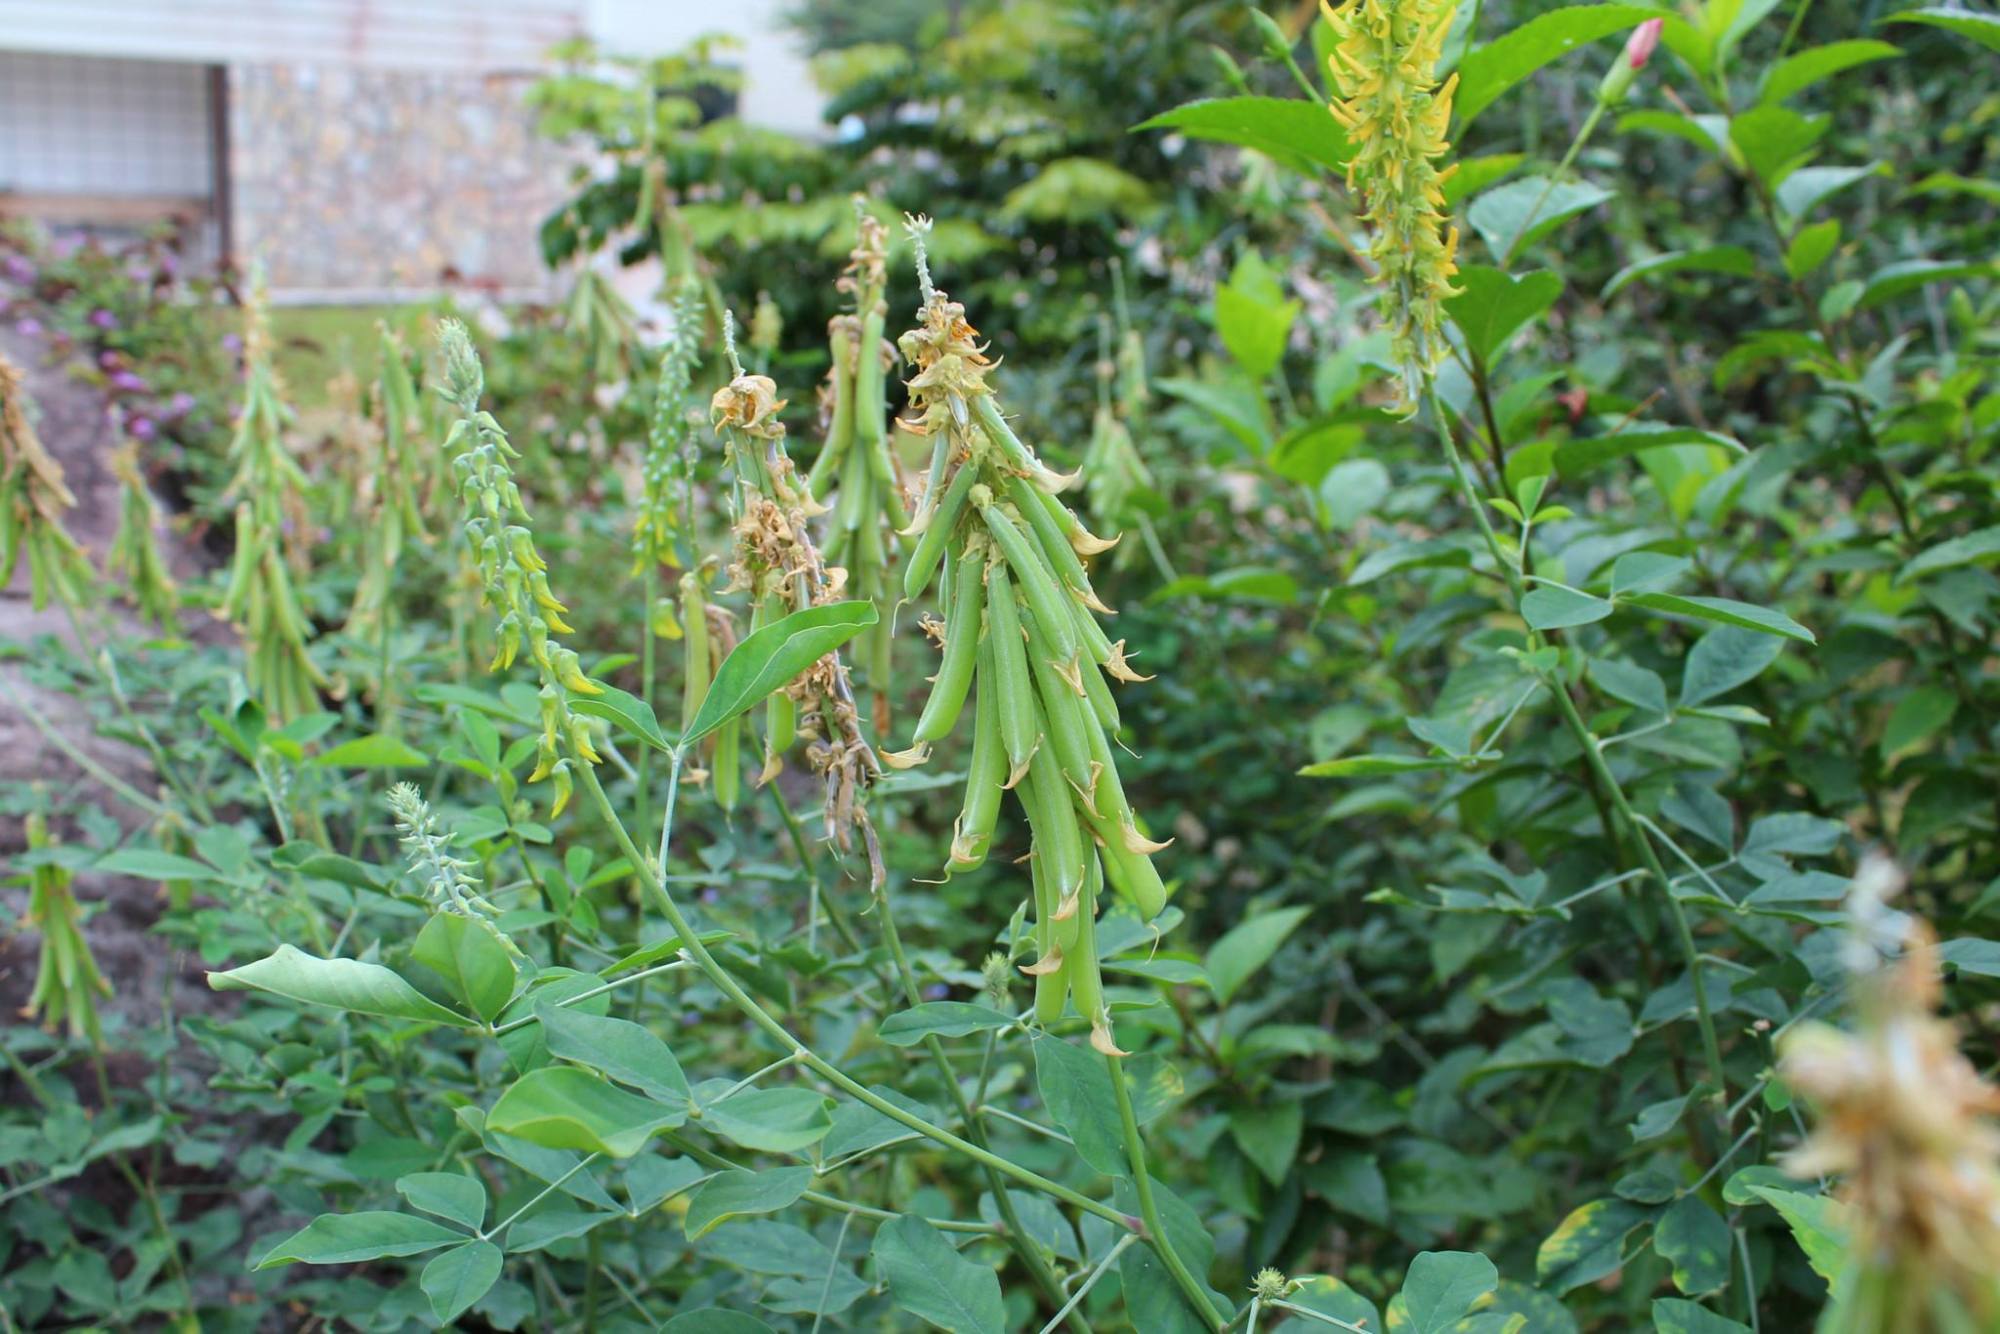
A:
(1562, 169)
(1018, 1239)
(1600, 768)
(1076, 1299)
(1149, 1209)
(733, 991)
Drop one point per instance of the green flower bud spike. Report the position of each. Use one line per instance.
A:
(502, 548)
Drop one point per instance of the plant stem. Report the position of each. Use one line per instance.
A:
(1076, 1300)
(1018, 1239)
(726, 983)
(1600, 769)
(1149, 1209)
(1562, 168)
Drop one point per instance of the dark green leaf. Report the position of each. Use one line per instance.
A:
(1489, 71)
(627, 710)
(1299, 133)
(460, 1277)
(1980, 27)
(946, 1019)
(771, 658)
(1491, 306)
(1248, 946)
(1076, 1088)
(562, 1107)
(468, 955)
(1693, 1239)
(932, 1281)
(344, 984)
(1729, 259)
(776, 1120)
(737, 1193)
(1727, 611)
(373, 752)
(1441, 1286)
(452, 1195)
(627, 1052)
(1515, 214)
(338, 1239)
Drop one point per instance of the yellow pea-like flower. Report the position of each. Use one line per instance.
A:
(1395, 114)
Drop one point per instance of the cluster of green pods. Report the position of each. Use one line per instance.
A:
(1022, 642)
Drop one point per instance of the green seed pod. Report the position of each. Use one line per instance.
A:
(725, 770)
(1062, 558)
(840, 429)
(961, 651)
(1038, 582)
(1086, 983)
(1067, 723)
(985, 776)
(987, 412)
(694, 619)
(1051, 809)
(1049, 970)
(1020, 716)
(1098, 692)
(930, 547)
(934, 485)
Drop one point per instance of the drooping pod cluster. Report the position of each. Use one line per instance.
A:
(271, 526)
(67, 980)
(1020, 636)
(856, 465)
(134, 557)
(777, 563)
(33, 498)
(515, 578)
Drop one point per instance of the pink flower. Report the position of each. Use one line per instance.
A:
(1645, 39)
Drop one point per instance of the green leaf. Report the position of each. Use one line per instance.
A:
(1076, 1088)
(1677, 1315)
(1730, 259)
(460, 1277)
(1424, 554)
(714, 1320)
(627, 710)
(1723, 659)
(1515, 214)
(1809, 187)
(1248, 946)
(772, 657)
(1894, 280)
(1296, 132)
(1969, 954)
(373, 752)
(1815, 1223)
(1441, 1286)
(1268, 1133)
(1371, 766)
(946, 1019)
(1693, 1239)
(627, 1052)
(152, 864)
(452, 1195)
(544, 1229)
(344, 984)
(1253, 317)
(931, 1280)
(1774, 141)
(1587, 1245)
(1635, 685)
(1554, 607)
(1981, 28)
(1486, 73)
(777, 1120)
(562, 1107)
(339, 1239)
(1811, 246)
(737, 1193)
(1576, 457)
(1491, 306)
(1919, 714)
(1727, 611)
(1475, 174)
(1980, 547)
(1795, 74)
(468, 955)
(1331, 1296)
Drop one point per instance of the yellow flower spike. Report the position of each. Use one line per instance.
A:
(1395, 115)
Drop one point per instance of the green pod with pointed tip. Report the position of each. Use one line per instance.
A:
(986, 773)
(1035, 506)
(840, 429)
(931, 546)
(1038, 583)
(781, 711)
(1086, 981)
(694, 620)
(961, 652)
(1052, 814)
(1051, 988)
(1067, 721)
(1020, 716)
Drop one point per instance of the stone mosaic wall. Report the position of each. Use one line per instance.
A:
(364, 184)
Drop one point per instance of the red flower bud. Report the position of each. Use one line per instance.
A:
(1644, 40)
